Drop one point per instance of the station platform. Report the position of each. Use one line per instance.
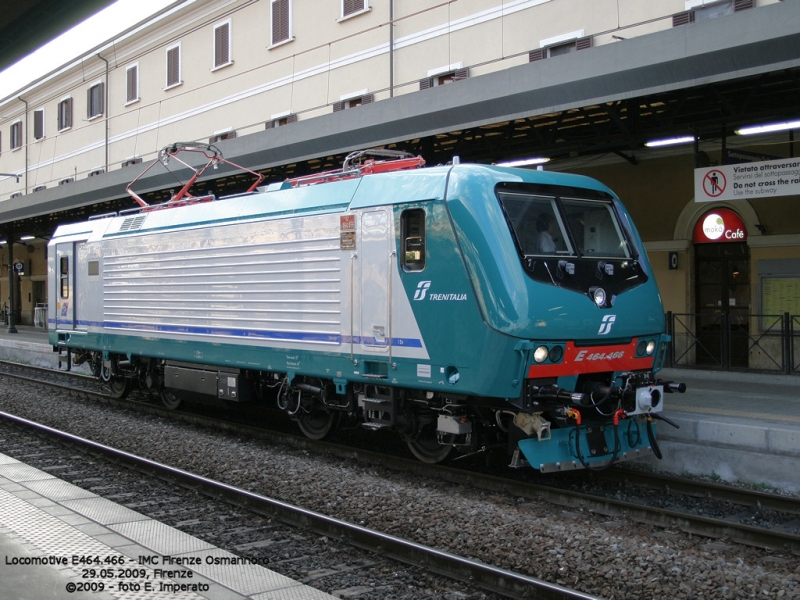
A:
(734, 426)
(59, 541)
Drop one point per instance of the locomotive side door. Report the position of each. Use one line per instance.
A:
(375, 262)
(65, 286)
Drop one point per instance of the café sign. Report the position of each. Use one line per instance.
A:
(719, 226)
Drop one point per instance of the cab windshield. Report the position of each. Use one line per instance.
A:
(564, 226)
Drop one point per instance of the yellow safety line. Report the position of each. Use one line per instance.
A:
(734, 413)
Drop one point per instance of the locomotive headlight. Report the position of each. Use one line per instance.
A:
(645, 348)
(540, 354)
(598, 295)
(556, 354)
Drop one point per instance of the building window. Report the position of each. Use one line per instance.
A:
(353, 102)
(38, 124)
(351, 7)
(222, 135)
(279, 121)
(710, 11)
(95, 101)
(132, 84)
(173, 66)
(222, 45)
(281, 21)
(443, 78)
(16, 135)
(65, 114)
(131, 161)
(558, 49)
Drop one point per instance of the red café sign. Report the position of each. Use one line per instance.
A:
(719, 226)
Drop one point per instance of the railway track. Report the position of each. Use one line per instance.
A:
(487, 577)
(741, 515)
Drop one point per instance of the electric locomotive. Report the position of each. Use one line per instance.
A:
(464, 307)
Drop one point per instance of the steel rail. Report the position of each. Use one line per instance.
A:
(705, 489)
(705, 526)
(501, 581)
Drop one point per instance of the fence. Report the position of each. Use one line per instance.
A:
(735, 341)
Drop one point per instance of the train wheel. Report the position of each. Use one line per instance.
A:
(170, 399)
(427, 448)
(319, 423)
(119, 387)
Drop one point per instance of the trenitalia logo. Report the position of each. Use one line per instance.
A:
(606, 324)
(422, 289)
(422, 292)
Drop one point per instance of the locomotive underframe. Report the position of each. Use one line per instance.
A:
(433, 424)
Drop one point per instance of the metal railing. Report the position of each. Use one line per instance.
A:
(735, 341)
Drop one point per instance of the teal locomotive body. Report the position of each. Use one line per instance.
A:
(463, 306)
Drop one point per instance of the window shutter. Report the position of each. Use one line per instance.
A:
(38, 124)
(222, 54)
(583, 43)
(65, 114)
(280, 21)
(683, 18)
(95, 101)
(16, 135)
(173, 66)
(337, 106)
(352, 6)
(367, 99)
(535, 55)
(292, 118)
(742, 5)
(426, 83)
(460, 74)
(132, 84)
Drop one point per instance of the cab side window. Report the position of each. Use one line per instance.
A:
(412, 232)
(64, 276)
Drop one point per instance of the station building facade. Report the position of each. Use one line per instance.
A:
(287, 86)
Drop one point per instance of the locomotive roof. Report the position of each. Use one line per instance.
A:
(281, 200)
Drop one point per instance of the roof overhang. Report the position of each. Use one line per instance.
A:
(725, 49)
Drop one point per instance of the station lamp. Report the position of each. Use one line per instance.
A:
(769, 128)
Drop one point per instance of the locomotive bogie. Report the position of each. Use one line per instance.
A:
(406, 301)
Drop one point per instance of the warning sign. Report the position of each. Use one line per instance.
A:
(714, 183)
(748, 181)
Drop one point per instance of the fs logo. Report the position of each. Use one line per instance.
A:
(422, 289)
(605, 325)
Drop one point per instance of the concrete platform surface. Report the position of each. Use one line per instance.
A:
(58, 541)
